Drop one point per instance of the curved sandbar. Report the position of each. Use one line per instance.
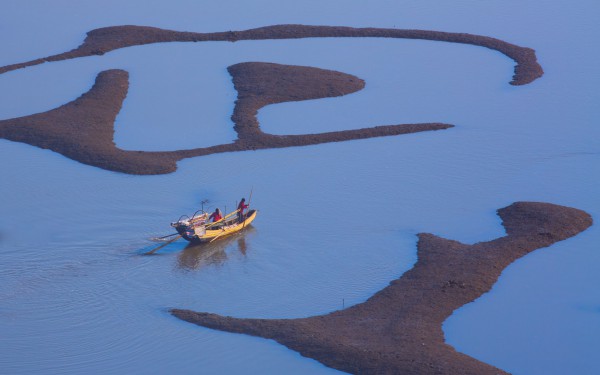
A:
(103, 40)
(83, 129)
(399, 329)
(260, 84)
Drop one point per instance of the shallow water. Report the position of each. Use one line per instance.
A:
(336, 222)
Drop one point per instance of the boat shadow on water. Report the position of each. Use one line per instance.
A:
(198, 255)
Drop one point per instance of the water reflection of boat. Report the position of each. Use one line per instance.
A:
(197, 255)
(198, 231)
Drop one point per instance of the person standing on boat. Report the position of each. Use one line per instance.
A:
(215, 216)
(241, 207)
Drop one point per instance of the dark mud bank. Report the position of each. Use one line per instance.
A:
(399, 329)
(83, 129)
(104, 40)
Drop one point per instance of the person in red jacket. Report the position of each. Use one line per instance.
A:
(241, 207)
(215, 216)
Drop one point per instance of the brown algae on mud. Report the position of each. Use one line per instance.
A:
(399, 329)
(83, 129)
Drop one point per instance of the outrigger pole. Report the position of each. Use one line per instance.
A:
(163, 237)
(161, 246)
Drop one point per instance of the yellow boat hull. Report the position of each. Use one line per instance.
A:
(229, 227)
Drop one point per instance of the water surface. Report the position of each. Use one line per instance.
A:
(336, 222)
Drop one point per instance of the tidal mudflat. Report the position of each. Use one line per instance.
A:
(71, 234)
(84, 129)
(399, 329)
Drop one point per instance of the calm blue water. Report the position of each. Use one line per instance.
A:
(337, 222)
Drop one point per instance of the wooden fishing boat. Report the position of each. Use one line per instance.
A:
(199, 231)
